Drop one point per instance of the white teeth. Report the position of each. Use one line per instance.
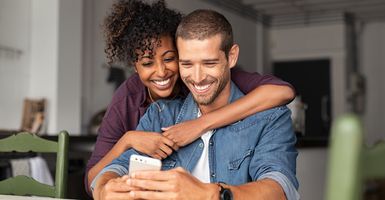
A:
(203, 87)
(162, 82)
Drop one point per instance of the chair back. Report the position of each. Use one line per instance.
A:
(28, 142)
(351, 163)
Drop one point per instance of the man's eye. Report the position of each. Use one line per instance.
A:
(210, 64)
(186, 65)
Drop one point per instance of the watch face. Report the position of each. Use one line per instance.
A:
(227, 194)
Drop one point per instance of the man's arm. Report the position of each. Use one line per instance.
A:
(119, 167)
(179, 184)
(275, 155)
(263, 189)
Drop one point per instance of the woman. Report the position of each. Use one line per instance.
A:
(142, 36)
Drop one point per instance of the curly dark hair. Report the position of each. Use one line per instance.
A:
(133, 27)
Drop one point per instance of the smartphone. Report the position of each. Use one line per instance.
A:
(142, 163)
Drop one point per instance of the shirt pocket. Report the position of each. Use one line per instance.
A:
(245, 123)
(236, 163)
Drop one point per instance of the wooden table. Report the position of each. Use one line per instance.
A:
(14, 197)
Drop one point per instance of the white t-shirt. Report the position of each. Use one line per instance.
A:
(202, 169)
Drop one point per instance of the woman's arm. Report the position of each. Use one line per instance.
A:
(150, 143)
(261, 98)
(264, 92)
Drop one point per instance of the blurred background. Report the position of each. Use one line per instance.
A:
(332, 51)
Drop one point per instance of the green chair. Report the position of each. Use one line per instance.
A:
(23, 185)
(351, 163)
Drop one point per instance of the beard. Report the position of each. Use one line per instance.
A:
(218, 85)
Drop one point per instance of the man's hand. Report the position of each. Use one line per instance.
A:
(151, 143)
(172, 184)
(115, 188)
(185, 132)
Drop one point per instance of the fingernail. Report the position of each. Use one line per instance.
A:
(132, 194)
(129, 182)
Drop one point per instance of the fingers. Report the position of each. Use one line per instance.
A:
(118, 185)
(117, 196)
(152, 195)
(170, 143)
(179, 169)
(166, 149)
(155, 155)
(150, 184)
(173, 174)
(166, 128)
(161, 154)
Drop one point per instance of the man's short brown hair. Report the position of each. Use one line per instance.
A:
(202, 24)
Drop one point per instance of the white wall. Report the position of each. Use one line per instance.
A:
(14, 70)
(311, 172)
(56, 58)
(96, 92)
(373, 68)
(70, 59)
(327, 41)
(49, 32)
(44, 56)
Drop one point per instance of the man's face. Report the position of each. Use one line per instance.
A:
(204, 69)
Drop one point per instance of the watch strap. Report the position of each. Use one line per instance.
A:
(224, 193)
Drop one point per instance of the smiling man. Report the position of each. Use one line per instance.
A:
(251, 159)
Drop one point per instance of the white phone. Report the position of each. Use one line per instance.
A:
(142, 163)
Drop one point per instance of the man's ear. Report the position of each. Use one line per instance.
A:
(233, 55)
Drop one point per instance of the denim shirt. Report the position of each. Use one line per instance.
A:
(239, 153)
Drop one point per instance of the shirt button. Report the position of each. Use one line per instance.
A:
(212, 174)
(211, 143)
(201, 145)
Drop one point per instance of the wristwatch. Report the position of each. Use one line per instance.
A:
(225, 193)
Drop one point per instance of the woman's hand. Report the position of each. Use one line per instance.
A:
(151, 143)
(185, 132)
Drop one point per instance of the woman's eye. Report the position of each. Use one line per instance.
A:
(146, 64)
(169, 59)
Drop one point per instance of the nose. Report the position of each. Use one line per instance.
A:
(198, 74)
(161, 70)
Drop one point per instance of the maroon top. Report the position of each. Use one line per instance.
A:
(129, 104)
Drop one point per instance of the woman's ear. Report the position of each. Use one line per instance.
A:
(233, 55)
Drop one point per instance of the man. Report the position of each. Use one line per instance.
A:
(252, 159)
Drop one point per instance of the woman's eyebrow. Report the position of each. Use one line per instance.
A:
(164, 53)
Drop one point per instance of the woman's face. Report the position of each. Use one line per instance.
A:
(159, 73)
